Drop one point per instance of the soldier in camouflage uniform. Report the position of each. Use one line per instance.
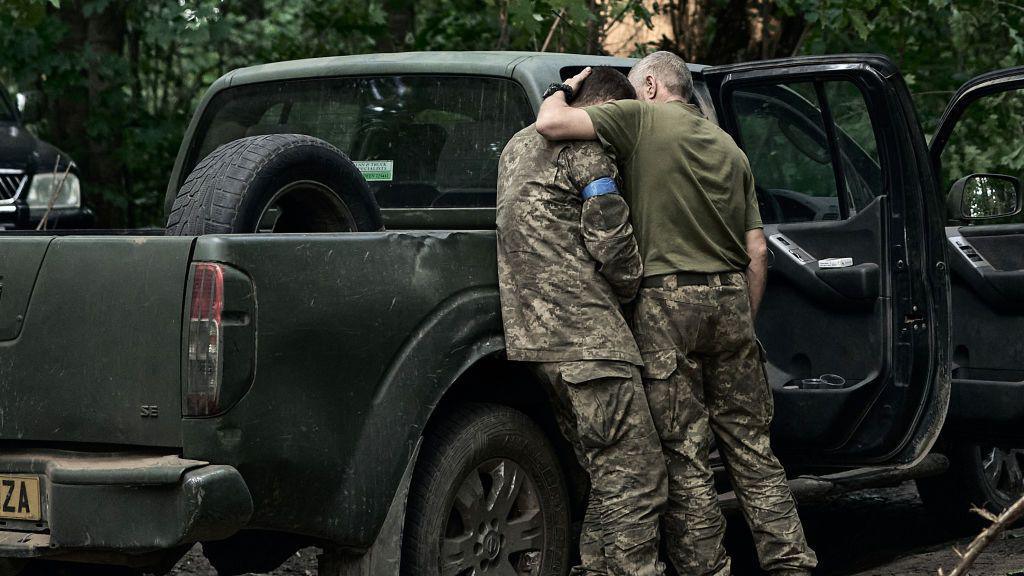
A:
(692, 198)
(566, 260)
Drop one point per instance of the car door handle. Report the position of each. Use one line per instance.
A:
(858, 282)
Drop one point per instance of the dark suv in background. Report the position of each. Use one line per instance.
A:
(35, 177)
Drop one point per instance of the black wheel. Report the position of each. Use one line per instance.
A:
(987, 477)
(274, 183)
(488, 497)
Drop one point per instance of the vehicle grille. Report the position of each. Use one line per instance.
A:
(12, 182)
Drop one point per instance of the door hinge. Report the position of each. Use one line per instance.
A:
(915, 321)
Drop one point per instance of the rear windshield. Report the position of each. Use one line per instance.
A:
(420, 141)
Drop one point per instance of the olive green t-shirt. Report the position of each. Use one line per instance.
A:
(687, 183)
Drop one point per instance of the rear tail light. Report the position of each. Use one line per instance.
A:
(205, 340)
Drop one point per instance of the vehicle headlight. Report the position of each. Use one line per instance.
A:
(44, 187)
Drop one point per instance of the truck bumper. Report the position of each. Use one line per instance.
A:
(124, 503)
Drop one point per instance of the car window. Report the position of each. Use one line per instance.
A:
(421, 141)
(857, 144)
(783, 130)
(988, 138)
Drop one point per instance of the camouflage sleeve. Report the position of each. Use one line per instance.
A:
(608, 236)
(585, 162)
(607, 232)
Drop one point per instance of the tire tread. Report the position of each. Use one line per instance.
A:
(208, 202)
(444, 448)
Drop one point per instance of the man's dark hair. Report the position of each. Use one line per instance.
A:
(604, 83)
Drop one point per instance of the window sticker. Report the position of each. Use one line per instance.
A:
(376, 170)
(835, 263)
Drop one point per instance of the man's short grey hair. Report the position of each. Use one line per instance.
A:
(668, 69)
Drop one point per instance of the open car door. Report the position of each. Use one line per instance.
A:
(855, 316)
(978, 153)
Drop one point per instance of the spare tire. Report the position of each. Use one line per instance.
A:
(274, 183)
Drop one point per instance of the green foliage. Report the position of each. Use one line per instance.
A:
(985, 197)
(988, 138)
(939, 45)
(137, 98)
(118, 79)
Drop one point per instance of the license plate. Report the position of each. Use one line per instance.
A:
(19, 498)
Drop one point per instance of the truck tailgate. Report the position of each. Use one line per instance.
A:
(94, 339)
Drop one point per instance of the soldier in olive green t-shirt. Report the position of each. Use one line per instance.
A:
(682, 173)
(696, 222)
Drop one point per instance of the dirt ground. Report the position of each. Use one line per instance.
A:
(887, 533)
(871, 533)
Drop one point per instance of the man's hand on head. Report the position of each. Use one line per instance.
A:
(578, 79)
(557, 120)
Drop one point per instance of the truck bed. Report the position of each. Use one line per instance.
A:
(346, 342)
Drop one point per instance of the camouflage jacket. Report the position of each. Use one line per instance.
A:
(564, 264)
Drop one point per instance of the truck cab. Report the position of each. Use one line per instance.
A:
(817, 134)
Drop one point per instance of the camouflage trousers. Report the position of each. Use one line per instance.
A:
(602, 411)
(705, 383)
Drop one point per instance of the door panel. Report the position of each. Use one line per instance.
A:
(990, 261)
(797, 250)
(805, 306)
(853, 318)
(988, 332)
(980, 132)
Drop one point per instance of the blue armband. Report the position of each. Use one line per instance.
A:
(598, 187)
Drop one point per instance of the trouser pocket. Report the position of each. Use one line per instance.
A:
(631, 549)
(600, 395)
(662, 390)
(658, 364)
(584, 371)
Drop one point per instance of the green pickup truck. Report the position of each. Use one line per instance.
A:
(336, 376)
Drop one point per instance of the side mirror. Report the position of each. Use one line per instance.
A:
(29, 106)
(983, 197)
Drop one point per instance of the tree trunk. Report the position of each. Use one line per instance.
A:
(105, 43)
(594, 28)
(733, 22)
(401, 23)
(68, 110)
(503, 33)
(722, 32)
(87, 115)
